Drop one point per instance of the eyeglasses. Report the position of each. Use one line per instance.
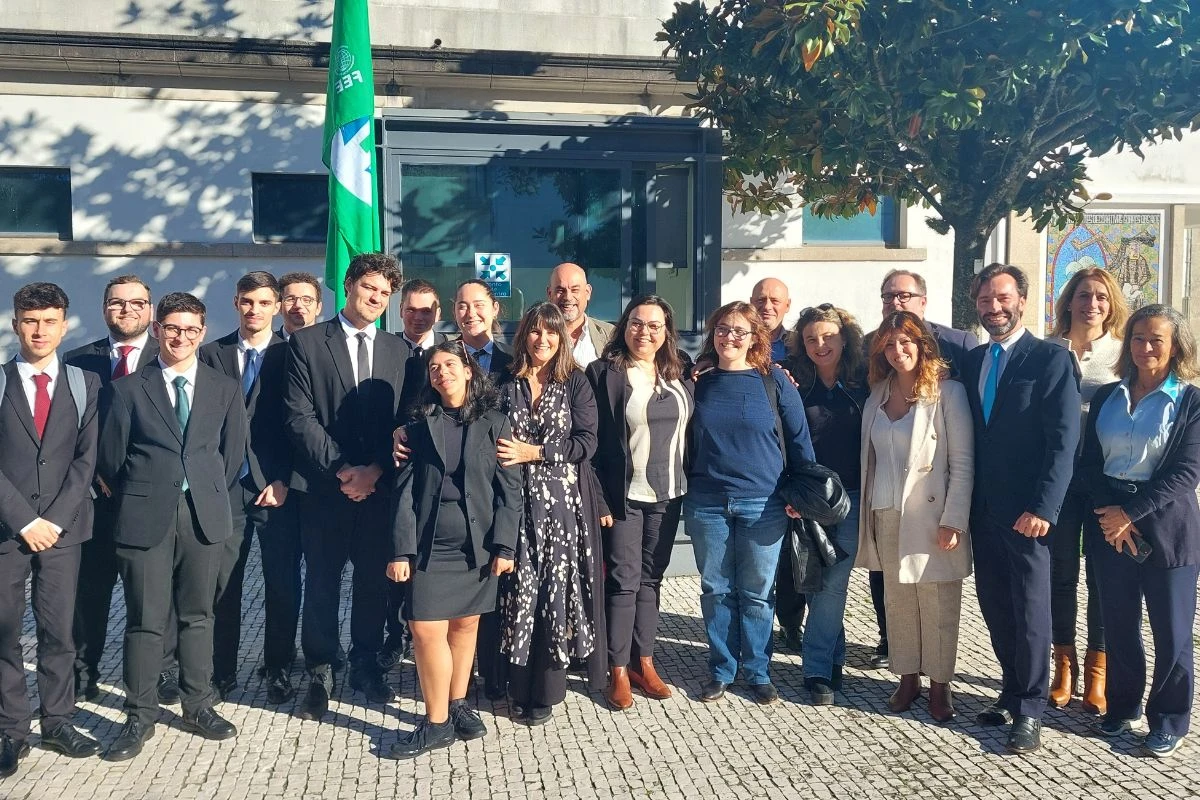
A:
(737, 334)
(653, 327)
(903, 297)
(299, 299)
(117, 304)
(822, 307)
(171, 331)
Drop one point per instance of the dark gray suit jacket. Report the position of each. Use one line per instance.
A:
(47, 477)
(144, 458)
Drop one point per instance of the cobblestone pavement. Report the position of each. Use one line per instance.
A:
(671, 749)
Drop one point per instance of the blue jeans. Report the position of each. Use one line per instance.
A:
(737, 545)
(825, 631)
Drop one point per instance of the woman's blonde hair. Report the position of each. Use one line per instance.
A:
(1118, 309)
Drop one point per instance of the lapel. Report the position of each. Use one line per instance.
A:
(618, 395)
(15, 396)
(149, 352)
(433, 424)
(227, 356)
(922, 421)
(62, 408)
(1016, 355)
(335, 340)
(473, 442)
(156, 390)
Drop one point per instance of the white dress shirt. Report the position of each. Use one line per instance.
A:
(583, 350)
(170, 373)
(351, 333)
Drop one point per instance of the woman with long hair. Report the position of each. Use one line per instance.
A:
(547, 607)
(1141, 463)
(454, 534)
(1089, 318)
(475, 313)
(827, 362)
(644, 400)
(733, 510)
(918, 469)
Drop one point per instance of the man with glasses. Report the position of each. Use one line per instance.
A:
(127, 348)
(300, 302)
(570, 291)
(172, 447)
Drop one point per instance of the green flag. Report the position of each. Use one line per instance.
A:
(350, 144)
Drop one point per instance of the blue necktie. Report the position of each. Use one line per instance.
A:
(250, 372)
(989, 386)
(183, 410)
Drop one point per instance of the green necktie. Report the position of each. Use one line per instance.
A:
(183, 410)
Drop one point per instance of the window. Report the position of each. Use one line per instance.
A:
(35, 201)
(290, 208)
(882, 228)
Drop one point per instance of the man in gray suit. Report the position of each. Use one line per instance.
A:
(173, 444)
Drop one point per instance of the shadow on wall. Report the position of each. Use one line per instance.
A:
(219, 18)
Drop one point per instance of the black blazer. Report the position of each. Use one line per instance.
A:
(47, 477)
(492, 493)
(144, 457)
(614, 468)
(502, 357)
(268, 447)
(1025, 455)
(416, 374)
(326, 424)
(1165, 510)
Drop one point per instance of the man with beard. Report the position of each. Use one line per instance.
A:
(127, 348)
(771, 299)
(1024, 396)
(570, 291)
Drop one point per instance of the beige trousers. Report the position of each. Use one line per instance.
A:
(922, 618)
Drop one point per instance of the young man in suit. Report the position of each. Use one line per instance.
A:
(172, 447)
(254, 355)
(345, 378)
(300, 296)
(570, 291)
(127, 348)
(1024, 397)
(47, 460)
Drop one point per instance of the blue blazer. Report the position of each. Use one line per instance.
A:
(1025, 454)
(1165, 512)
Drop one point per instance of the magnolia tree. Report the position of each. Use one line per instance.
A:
(974, 108)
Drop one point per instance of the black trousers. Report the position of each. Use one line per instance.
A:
(1170, 598)
(637, 551)
(875, 577)
(55, 576)
(178, 574)
(1065, 539)
(334, 530)
(537, 683)
(97, 577)
(281, 554)
(1012, 581)
(492, 664)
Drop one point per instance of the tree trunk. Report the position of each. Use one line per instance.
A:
(969, 244)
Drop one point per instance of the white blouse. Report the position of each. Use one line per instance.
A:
(892, 441)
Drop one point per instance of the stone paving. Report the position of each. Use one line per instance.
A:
(677, 748)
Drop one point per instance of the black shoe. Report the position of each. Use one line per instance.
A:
(712, 691)
(69, 741)
(11, 752)
(129, 742)
(86, 689)
(994, 715)
(537, 715)
(881, 659)
(764, 693)
(793, 639)
(168, 687)
(425, 737)
(468, 724)
(316, 700)
(394, 649)
(1025, 736)
(225, 685)
(208, 724)
(820, 691)
(371, 683)
(494, 692)
(835, 680)
(279, 687)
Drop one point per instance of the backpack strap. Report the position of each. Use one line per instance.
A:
(772, 389)
(78, 386)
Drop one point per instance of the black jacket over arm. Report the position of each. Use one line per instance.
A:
(1165, 510)
(492, 493)
(268, 447)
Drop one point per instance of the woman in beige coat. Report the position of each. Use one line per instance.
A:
(917, 473)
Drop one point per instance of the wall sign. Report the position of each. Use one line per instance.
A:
(495, 269)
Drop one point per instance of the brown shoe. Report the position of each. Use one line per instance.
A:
(908, 690)
(1095, 665)
(618, 693)
(1066, 675)
(646, 679)
(941, 702)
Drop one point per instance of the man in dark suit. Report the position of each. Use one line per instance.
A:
(345, 379)
(254, 356)
(300, 295)
(127, 348)
(47, 460)
(172, 446)
(1024, 396)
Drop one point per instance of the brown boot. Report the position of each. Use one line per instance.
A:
(908, 690)
(618, 693)
(646, 679)
(1095, 665)
(941, 702)
(1066, 675)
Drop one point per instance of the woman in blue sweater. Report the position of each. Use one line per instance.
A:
(732, 511)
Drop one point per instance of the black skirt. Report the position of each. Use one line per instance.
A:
(450, 587)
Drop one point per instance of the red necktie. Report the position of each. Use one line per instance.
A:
(41, 403)
(122, 368)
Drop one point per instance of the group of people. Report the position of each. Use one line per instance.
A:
(512, 508)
